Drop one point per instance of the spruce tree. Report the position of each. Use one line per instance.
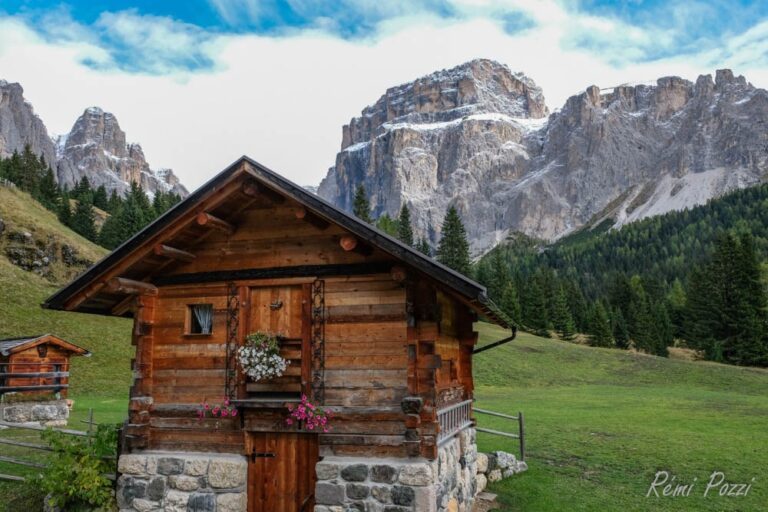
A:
(83, 219)
(510, 303)
(100, 199)
(361, 207)
(48, 191)
(114, 202)
(562, 319)
(423, 247)
(404, 228)
(620, 330)
(498, 275)
(65, 209)
(600, 328)
(82, 188)
(535, 311)
(453, 250)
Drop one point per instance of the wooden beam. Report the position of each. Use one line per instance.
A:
(311, 218)
(173, 253)
(348, 242)
(210, 221)
(124, 305)
(253, 189)
(129, 286)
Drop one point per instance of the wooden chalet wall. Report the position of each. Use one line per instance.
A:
(29, 361)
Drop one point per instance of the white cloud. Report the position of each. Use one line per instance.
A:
(283, 100)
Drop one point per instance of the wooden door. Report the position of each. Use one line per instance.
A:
(281, 471)
(284, 311)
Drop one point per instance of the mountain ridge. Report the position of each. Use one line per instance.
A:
(95, 148)
(625, 154)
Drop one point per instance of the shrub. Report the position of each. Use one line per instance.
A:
(76, 475)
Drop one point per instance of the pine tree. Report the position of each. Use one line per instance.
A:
(404, 228)
(100, 199)
(48, 191)
(562, 319)
(600, 329)
(510, 302)
(361, 207)
(498, 276)
(620, 330)
(83, 219)
(82, 188)
(114, 202)
(423, 247)
(65, 209)
(535, 311)
(453, 250)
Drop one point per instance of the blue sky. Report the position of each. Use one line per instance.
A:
(261, 76)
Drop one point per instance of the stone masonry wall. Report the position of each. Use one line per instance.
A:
(357, 484)
(53, 413)
(495, 466)
(182, 482)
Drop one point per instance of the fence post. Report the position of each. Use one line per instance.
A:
(522, 434)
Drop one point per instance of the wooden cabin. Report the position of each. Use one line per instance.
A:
(36, 364)
(374, 331)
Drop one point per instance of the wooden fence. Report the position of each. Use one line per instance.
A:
(41, 447)
(41, 378)
(520, 428)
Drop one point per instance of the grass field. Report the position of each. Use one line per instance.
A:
(600, 423)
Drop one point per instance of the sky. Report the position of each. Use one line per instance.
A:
(201, 82)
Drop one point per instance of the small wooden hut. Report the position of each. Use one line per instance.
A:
(36, 364)
(374, 331)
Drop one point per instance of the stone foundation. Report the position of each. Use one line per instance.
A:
(348, 484)
(495, 466)
(181, 482)
(52, 413)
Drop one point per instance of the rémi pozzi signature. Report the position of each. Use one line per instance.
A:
(666, 485)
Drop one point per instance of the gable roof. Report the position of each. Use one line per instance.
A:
(471, 292)
(9, 346)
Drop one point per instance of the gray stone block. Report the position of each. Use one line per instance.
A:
(156, 488)
(326, 470)
(202, 502)
(382, 494)
(357, 491)
(355, 473)
(170, 466)
(383, 473)
(403, 495)
(327, 493)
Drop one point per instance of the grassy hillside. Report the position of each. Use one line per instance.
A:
(107, 372)
(601, 422)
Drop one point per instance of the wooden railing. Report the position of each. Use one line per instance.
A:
(453, 419)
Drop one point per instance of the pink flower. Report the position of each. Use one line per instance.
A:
(289, 421)
(224, 413)
(207, 407)
(234, 412)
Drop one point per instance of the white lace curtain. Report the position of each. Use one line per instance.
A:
(204, 316)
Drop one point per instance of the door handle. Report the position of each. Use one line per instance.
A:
(276, 305)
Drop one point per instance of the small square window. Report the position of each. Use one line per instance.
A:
(200, 319)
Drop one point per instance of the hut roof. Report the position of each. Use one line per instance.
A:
(10, 345)
(466, 289)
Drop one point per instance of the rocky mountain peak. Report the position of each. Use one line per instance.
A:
(19, 125)
(475, 137)
(475, 87)
(97, 148)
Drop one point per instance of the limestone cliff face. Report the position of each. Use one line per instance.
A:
(20, 126)
(96, 148)
(476, 137)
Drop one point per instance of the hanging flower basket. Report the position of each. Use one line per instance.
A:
(260, 358)
(308, 416)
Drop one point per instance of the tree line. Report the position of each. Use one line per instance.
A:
(692, 278)
(77, 208)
